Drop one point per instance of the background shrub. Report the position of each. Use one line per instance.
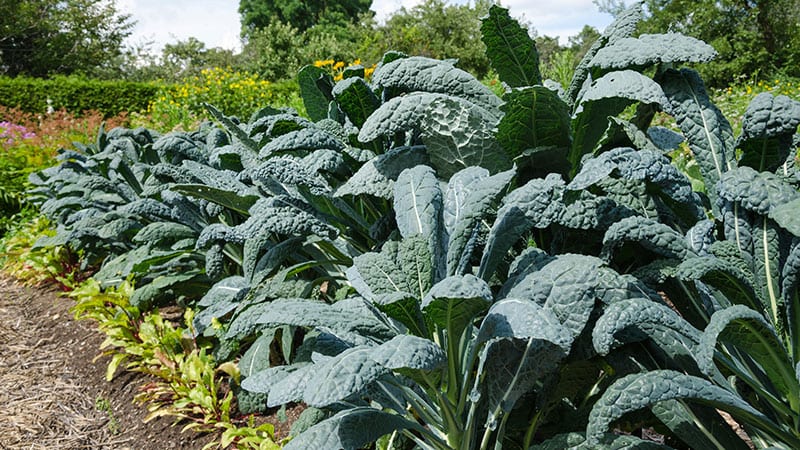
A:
(76, 95)
(237, 93)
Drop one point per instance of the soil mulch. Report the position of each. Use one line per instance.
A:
(54, 396)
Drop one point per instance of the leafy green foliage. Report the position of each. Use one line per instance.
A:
(43, 38)
(300, 13)
(433, 263)
(750, 38)
(513, 53)
(76, 94)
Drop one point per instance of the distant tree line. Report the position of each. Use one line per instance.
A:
(42, 38)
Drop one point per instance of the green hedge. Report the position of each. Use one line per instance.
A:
(76, 94)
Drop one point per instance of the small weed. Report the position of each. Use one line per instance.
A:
(103, 405)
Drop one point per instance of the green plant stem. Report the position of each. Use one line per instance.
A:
(421, 407)
(749, 379)
(530, 432)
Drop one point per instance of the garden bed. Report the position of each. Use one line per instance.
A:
(53, 394)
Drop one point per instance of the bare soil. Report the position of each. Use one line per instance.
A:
(53, 391)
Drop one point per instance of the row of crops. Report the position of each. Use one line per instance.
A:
(425, 264)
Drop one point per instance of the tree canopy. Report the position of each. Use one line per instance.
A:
(302, 14)
(44, 37)
(751, 36)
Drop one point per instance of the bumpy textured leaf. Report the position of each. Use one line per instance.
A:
(350, 430)
(283, 215)
(535, 117)
(223, 297)
(608, 96)
(640, 390)
(537, 204)
(511, 367)
(592, 212)
(342, 376)
(283, 386)
(409, 112)
(292, 171)
(420, 74)
(767, 266)
(404, 267)
(377, 176)
(405, 308)
(701, 236)
(240, 203)
(755, 191)
(459, 135)
(475, 205)
(609, 441)
(518, 318)
(511, 51)
(737, 283)
(350, 318)
(565, 286)
(311, 138)
(637, 319)
(768, 126)
(256, 358)
(748, 330)
(525, 343)
(454, 302)
(631, 164)
(458, 188)
(163, 233)
(531, 259)
(707, 131)
(790, 281)
(613, 287)
(356, 99)
(650, 49)
(409, 352)
(263, 381)
(787, 215)
(649, 233)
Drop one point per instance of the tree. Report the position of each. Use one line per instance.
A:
(301, 14)
(750, 36)
(439, 30)
(46, 37)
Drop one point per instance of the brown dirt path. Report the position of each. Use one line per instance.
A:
(53, 396)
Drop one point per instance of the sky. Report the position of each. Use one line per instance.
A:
(216, 22)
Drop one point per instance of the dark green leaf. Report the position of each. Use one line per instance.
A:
(511, 51)
(534, 117)
(315, 89)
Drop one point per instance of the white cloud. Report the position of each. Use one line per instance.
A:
(216, 22)
(559, 18)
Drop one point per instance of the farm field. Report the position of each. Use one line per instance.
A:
(407, 255)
